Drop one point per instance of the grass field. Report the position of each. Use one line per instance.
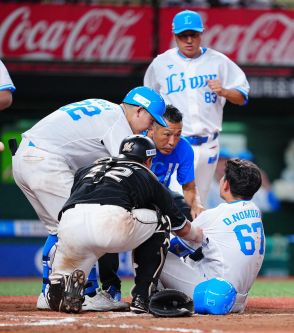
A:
(261, 288)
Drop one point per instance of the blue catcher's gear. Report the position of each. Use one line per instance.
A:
(215, 296)
(150, 100)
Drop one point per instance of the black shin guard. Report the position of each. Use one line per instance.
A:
(148, 260)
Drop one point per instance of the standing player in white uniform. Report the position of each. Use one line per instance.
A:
(71, 137)
(6, 88)
(233, 243)
(197, 81)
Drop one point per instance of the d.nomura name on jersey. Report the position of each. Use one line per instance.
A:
(245, 214)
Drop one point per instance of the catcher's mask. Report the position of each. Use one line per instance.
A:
(137, 148)
(215, 296)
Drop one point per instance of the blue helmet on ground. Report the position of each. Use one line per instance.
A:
(215, 296)
(187, 20)
(150, 100)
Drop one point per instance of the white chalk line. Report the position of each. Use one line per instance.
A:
(67, 321)
(41, 322)
(120, 326)
(154, 328)
(123, 315)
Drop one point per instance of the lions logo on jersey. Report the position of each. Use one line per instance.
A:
(128, 147)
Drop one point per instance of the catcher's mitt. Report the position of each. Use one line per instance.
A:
(171, 303)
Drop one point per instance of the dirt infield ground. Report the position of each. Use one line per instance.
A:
(266, 315)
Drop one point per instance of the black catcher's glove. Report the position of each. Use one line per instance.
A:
(171, 303)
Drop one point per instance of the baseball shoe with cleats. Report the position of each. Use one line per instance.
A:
(139, 304)
(103, 301)
(73, 295)
(66, 293)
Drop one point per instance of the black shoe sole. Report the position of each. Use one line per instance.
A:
(73, 295)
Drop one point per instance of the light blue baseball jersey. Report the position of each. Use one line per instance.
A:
(182, 82)
(5, 80)
(180, 160)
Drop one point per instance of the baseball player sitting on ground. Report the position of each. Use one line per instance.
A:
(233, 239)
(198, 81)
(73, 136)
(264, 198)
(109, 211)
(174, 154)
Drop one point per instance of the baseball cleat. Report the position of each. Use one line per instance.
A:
(103, 301)
(139, 305)
(73, 295)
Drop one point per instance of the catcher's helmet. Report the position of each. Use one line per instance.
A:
(137, 148)
(187, 20)
(150, 100)
(215, 296)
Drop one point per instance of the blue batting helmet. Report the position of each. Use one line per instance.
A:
(215, 296)
(187, 20)
(150, 100)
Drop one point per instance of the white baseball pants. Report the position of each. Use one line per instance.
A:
(88, 231)
(45, 180)
(185, 276)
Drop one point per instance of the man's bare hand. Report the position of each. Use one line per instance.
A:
(216, 86)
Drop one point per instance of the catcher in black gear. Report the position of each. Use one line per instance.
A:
(109, 211)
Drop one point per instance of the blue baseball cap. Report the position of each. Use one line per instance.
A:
(150, 100)
(243, 154)
(215, 296)
(187, 20)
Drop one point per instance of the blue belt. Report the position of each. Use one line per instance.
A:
(198, 140)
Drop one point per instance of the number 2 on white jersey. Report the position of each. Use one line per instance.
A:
(247, 243)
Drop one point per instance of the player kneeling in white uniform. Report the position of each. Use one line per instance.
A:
(233, 246)
(108, 212)
(69, 138)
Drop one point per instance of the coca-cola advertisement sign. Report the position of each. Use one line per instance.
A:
(75, 32)
(96, 33)
(245, 36)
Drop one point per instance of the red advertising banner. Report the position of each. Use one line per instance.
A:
(249, 36)
(85, 32)
(75, 32)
